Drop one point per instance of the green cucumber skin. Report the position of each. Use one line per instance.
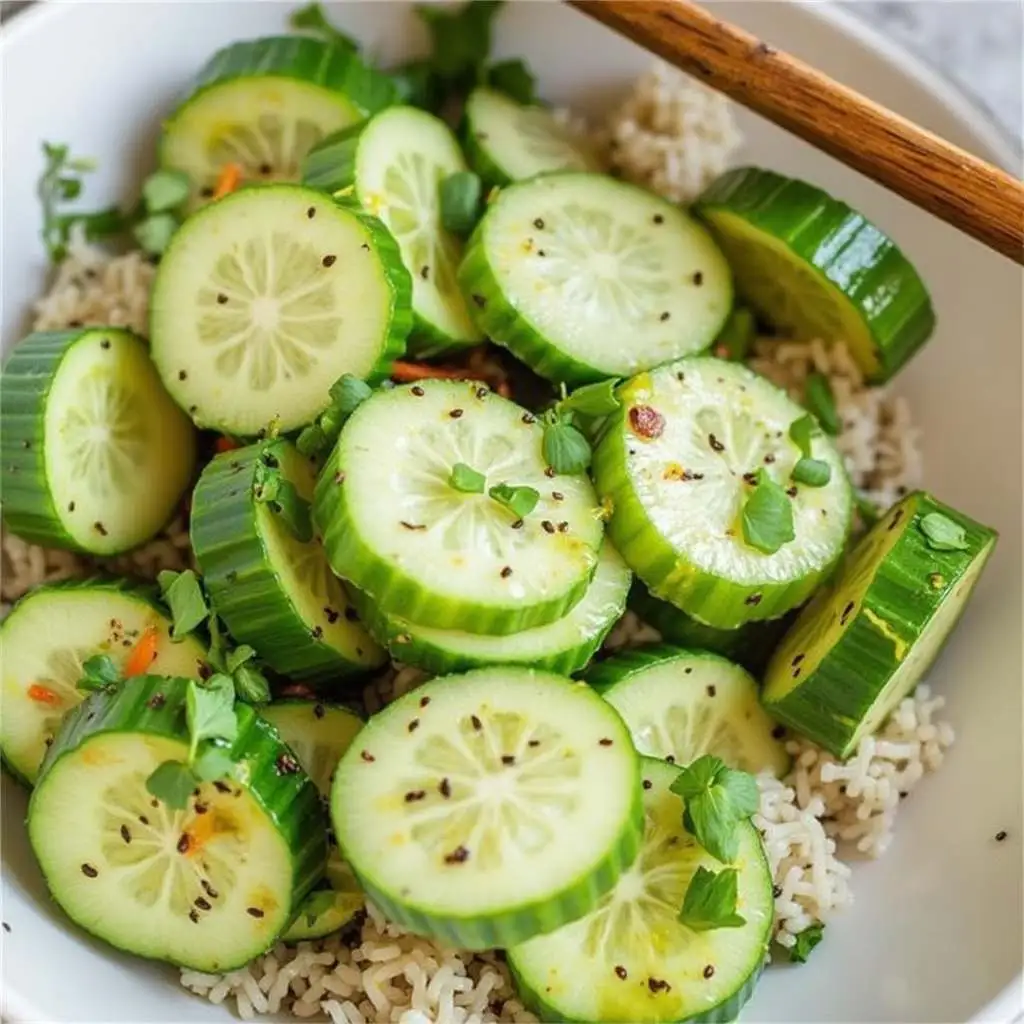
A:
(625, 664)
(290, 801)
(849, 252)
(478, 158)
(243, 586)
(830, 704)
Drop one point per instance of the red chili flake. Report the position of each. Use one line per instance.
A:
(646, 422)
(458, 856)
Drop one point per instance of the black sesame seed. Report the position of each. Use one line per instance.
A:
(125, 834)
(657, 985)
(894, 522)
(506, 572)
(791, 491)
(7, 927)
(529, 418)
(208, 889)
(778, 732)
(182, 375)
(711, 691)
(480, 301)
(193, 916)
(445, 788)
(508, 759)
(548, 526)
(477, 724)
(417, 391)
(89, 871)
(351, 615)
(206, 192)
(413, 526)
(254, 911)
(143, 819)
(647, 783)
(533, 743)
(687, 670)
(1000, 836)
(557, 495)
(200, 808)
(518, 524)
(620, 972)
(424, 701)
(847, 612)
(709, 971)
(184, 842)
(797, 658)
(71, 506)
(670, 759)
(605, 742)
(425, 272)
(716, 445)
(458, 856)
(658, 219)
(664, 316)
(776, 891)
(100, 528)
(413, 725)
(456, 414)
(311, 212)
(753, 599)
(415, 795)
(698, 278)
(329, 260)
(317, 632)
(482, 392)
(367, 756)
(769, 459)
(202, 904)
(105, 343)
(549, 472)
(221, 298)
(331, 615)
(541, 252)
(539, 224)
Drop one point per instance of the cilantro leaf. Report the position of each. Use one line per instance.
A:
(597, 399)
(98, 672)
(210, 711)
(318, 903)
(812, 472)
(164, 191)
(348, 392)
(801, 431)
(697, 777)
(520, 501)
(736, 338)
(173, 783)
(767, 516)
(821, 402)
(251, 685)
(312, 19)
(565, 449)
(239, 656)
(184, 597)
(717, 799)
(942, 534)
(460, 202)
(154, 232)
(466, 479)
(212, 763)
(710, 901)
(805, 942)
(514, 79)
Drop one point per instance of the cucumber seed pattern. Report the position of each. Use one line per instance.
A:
(268, 148)
(547, 141)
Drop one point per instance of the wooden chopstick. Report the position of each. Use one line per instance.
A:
(972, 195)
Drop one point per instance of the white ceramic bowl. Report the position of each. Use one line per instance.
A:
(936, 931)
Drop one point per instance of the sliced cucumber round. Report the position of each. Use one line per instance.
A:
(565, 646)
(681, 704)
(814, 268)
(318, 734)
(262, 104)
(679, 461)
(508, 141)
(584, 277)
(45, 640)
(265, 298)
(397, 528)
(487, 808)
(208, 887)
(274, 592)
(396, 163)
(631, 959)
(95, 455)
(867, 638)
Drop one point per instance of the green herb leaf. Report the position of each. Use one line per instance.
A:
(942, 533)
(805, 942)
(868, 511)
(251, 686)
(812, 472)
(210, 711)
(767, 516)
(317, 903)
(466, 479)
(717, 799)
(819, 400)
(349, 392)
(173, 783)
(217, 653)
(801, 433)
(520, 501)
(212, 763)
(736, 338)
(154, 233)
(514, 79)
(461, 38)
(164, 191)
(279, 495)
(710, 901)
(313, 20)
(312, 440)
(597, 399)
(239, 656)
(460, 202)
(565, 449)
(185, 598)
(98, 672)
(417, 85)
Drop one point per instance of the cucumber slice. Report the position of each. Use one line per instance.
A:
(865, 640)
(95, 455)
(318, 735)
(487, 808)
(508, 141)
(209, 887)
(565, 646)
(674, 463)
(263, 104)
(273, 591)
(814, 268)
(396, 163)
(750, 646)
(584, 277)
(681, 704)
(263, 299)
(44, 641)
(395, 527)
(631, 959)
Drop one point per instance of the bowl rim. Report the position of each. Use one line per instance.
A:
(992, 141)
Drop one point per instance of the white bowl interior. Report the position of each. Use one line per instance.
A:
(936, 931)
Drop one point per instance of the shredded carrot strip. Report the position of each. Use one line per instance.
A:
(225, 444)
(405, 372)
(44, 695)
(228, 180)
(143, 654)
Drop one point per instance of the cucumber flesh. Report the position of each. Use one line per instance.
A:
(508, 141)
(584, 277)
(678, 486)
(395, 528)
(865, 640)
(265, 298)
(45, 640)
(486, 808)
(565, 646)
(681, 704)
(631, 959)
(814, 268)
(95, 454)
(208, 887)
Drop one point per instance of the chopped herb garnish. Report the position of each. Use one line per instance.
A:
(313, 20)
(251, 685)
(942, 533)
(98, 672)
(270, 488)
(212, 763)
(520, 501)
(801, 433)
(710, 901)
(165, 191)
(210, 711)
(173, 783)
(154, 233)
(347, 393)
(767, 516)
(736, 338)
(812, 472)
(597, 399)
(514, 79)
(821, 402)
(460, 202)
(805, 942)
(417, 85)
(185, 598)
(564, 447)
(466, 479)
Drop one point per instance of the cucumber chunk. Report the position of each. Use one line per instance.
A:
(565, 646)
(814, 268)
(631, 959)
(681, 704)
(677, 465)
(262, 104)
(508, 141)
(396, 163)
(584, 277)
(95, 454)
(263, 299)
(44, 641)
(274, 591)
(487, 808)
(866, 639)
(396, 528)
(208, 887)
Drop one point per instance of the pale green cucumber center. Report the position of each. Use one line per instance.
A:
(611, 275)
(788, 291)
(720, 425)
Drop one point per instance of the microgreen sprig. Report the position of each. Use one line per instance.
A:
(565, 446)
(346, 394)
(767, 516)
